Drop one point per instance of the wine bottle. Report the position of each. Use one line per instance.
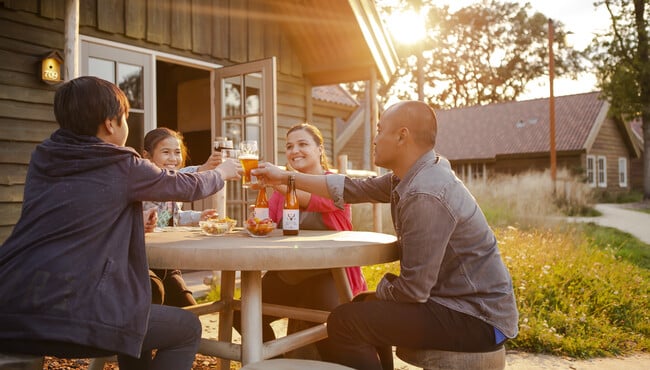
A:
(291, 212)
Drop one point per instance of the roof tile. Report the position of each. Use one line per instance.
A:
(483, 132)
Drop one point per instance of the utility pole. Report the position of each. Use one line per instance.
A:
(551, 101)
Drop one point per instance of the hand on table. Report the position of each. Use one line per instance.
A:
(207, 213)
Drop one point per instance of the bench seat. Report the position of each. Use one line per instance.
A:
(431, 359)
(294, 364)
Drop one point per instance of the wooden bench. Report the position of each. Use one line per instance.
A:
(431, 359)
(20, 362)
(294, 364)
(32, 362)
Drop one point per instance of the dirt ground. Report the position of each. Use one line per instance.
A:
(514, 361)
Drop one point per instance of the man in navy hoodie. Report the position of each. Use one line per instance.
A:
(74, 271)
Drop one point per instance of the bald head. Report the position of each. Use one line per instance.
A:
(419, 118)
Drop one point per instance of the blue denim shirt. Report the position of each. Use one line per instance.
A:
(448, 253)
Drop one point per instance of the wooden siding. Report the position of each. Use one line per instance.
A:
(609, 143)
(325, 116)
(542, 162)
(291, 109)
(26, 116)
(355, 148)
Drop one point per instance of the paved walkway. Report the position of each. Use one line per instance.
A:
(613, 215)
(622, 217)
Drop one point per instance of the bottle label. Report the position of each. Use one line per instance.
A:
(261, 213)
(291, 219)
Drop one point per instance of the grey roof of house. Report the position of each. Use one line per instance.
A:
(515, 128)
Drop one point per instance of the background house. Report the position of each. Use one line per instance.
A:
(636, 164)
(243, 69)
(514, 137)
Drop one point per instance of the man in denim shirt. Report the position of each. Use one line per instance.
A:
(453, 293)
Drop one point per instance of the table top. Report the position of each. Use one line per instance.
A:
(237, 251)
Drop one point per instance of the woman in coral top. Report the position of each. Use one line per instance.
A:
(313, 289)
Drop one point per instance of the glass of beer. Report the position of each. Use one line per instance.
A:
(249, 157)
(221, 143)
(230, 153)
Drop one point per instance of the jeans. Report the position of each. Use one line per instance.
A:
(361, 333)
(173, 332)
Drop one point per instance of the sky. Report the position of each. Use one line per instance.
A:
(579, 17)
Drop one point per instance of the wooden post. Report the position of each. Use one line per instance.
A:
(374, 118)
(551, 101)
(71, 43)
(420, 63)
(342, 163)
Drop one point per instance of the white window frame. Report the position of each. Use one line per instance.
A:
(149, 58)
(622, 172)
(124, 54)
(601, 172)
(591, 170)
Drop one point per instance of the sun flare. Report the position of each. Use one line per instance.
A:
(407, 27)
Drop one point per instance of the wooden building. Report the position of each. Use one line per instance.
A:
(636, 164)
(514, 137)
(243, 69)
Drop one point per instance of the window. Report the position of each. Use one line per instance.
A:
(602, 171)
(247, 100)
(591, 164)
(131, 71)
(622, 172)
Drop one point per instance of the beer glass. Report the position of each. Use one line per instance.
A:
(249, 157)
(222, 143)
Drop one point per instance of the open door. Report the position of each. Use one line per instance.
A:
(245, 101)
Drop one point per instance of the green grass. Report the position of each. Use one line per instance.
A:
(623, 245)
(575, 295)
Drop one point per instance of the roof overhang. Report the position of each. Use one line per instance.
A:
(337, 40)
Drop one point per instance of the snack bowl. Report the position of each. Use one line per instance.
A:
(259, 228)
(215, 227)
(231, 222)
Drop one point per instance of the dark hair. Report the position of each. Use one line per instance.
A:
(84, 103)
(315, 133)
(155, 136)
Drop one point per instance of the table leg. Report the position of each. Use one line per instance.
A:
(342, 284)
(251, 316)
(226, 315)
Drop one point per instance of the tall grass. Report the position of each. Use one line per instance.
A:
(532, 198)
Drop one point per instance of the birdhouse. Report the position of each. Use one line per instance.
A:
(51, 68)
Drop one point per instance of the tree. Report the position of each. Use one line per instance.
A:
(622, 59)
(483, 53)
